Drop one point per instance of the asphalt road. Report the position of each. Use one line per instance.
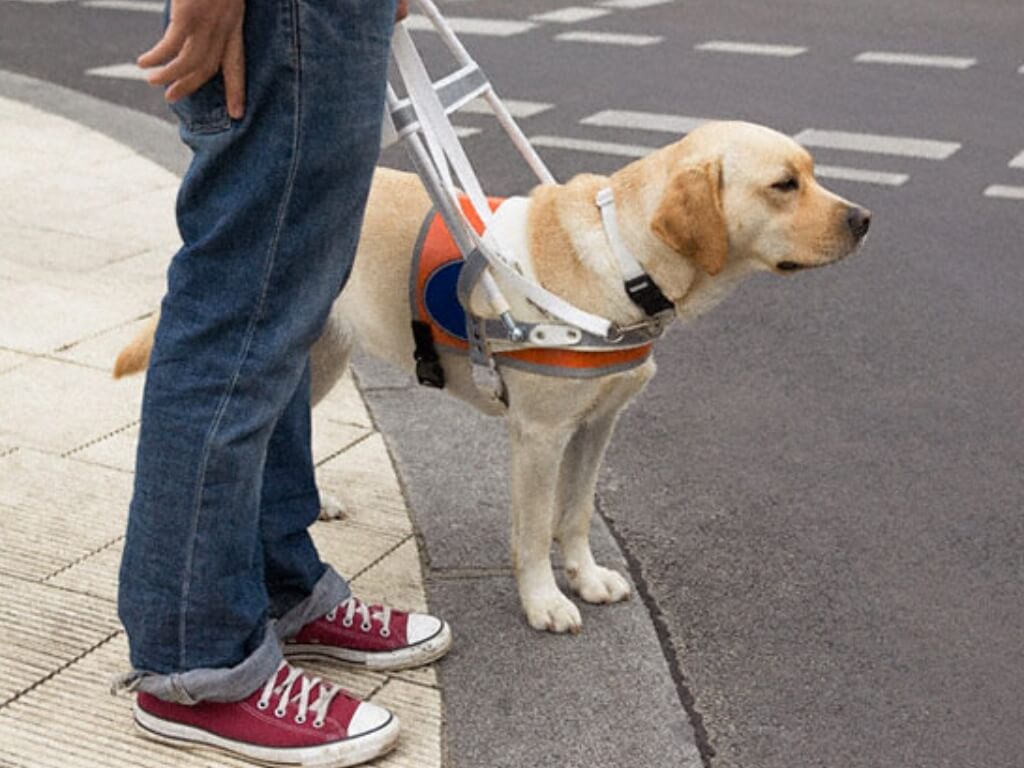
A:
(821, 492)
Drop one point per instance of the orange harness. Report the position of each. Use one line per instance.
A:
(437, 264)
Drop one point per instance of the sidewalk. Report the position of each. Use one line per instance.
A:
(86, 231)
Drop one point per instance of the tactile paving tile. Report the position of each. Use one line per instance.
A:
(43, 630)
(56, 511)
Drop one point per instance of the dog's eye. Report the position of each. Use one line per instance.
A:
(789, 184)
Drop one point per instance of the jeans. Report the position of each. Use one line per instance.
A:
(218, 564)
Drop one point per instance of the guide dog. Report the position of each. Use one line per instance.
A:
(728, 200)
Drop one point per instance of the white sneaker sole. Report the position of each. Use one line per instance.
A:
(341, 754)
(424, 652)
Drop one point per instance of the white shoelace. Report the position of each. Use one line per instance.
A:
(284, 691)
(352, 606)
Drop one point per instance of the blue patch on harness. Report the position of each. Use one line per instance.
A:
(442, 299)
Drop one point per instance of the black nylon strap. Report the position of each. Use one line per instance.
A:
(429, 372)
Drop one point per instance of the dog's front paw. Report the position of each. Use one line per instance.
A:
(332, 508)
(553, 612)
(599, 585)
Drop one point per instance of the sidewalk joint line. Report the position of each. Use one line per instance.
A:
(75, 562)
(347, 447)
(383, 556)
(94, 441)
(102, 331)
(18, 694)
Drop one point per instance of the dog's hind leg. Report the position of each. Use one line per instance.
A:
(328, 360)
(577, 481)
(537, 450)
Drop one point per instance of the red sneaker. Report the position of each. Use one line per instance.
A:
(373, 637)
(294, 719)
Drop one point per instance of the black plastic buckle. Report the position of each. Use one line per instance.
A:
(646, 295)
(429, 372)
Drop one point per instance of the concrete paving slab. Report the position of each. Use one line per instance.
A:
(56, 511)
(10, 359)
(95, 574)
(41, 318)
(115, 451)
(344, 403)
(43, 631)
(63, 406)
(101, 350)
(516, 697)
(351, 547)
(332, 437)
(27, 245)
(419, 710)
(364, 477)
(396, 579)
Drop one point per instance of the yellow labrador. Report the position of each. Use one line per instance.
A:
(700, 214)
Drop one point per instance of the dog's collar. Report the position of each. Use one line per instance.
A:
(640, 286)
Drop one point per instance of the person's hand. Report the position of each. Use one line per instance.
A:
(403, 10)
(204, 37)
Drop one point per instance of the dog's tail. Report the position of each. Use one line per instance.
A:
(135, 357)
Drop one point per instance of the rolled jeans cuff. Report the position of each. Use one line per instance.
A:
(328, 592)
(222, 684)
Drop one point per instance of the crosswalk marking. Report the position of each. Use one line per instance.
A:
(470, 26)
(750, 49)
(574, 14)
(859, 174)
(518, 109)
(609, 38)
(146, 6)
(878, 144)
(644, 121)
(915, 60)
(632, 5)
(1006, 192)
(127, 71)
(595, 147)
(1018, 161)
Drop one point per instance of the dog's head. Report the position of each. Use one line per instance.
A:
(738, 192)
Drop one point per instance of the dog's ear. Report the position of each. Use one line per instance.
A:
(689, 218)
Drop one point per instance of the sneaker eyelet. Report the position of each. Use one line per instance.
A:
(262, 705)
(366, 627)
(346, 623)
(385, 632)
(331, 615)
(318, 724)
(279, 713)
(300, 719)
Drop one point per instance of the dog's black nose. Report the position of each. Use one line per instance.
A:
(859, 220)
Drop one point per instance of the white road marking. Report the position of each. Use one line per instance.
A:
(643, 121)
(464, 133)
(518, 109)
(145, 6)
(632, 5)
(1018, 161)
(1006, 192)
(915, 60)
(574, 14)
(751, 49)
(594, 147)
(127, 71)
(878, 144)
(858, 174)
(38, 2)
(609, 38)
(469, 26)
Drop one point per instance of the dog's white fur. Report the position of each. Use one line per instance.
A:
(700, 215)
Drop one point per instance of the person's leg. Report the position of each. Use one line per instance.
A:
(269, 212)
(299, 585)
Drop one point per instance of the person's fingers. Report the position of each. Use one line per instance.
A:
(166, 48)
(187, 85)
(403, 10)
(194, 57)
(233, 68)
